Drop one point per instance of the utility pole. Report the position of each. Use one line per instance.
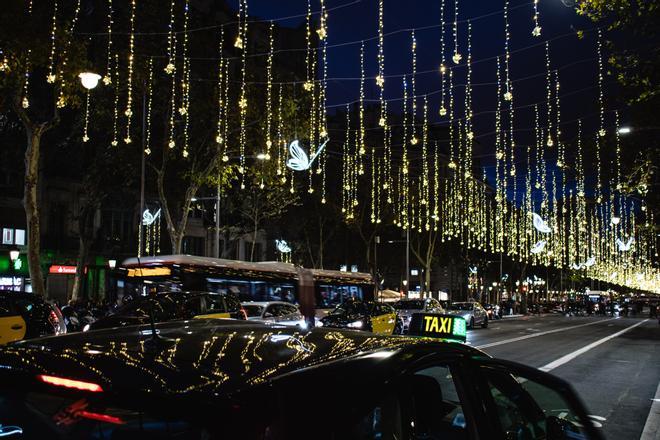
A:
(216, 244)
(144, 143)
(376, 278)
(408, 261)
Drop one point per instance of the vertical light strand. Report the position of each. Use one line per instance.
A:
(601, 131)
(380, 79)
(85, 137)
(219, 139)
(362, 149)
(323, 111)
(500, 170)
(61, 99)
(129, 81)
(243, 103)
(115, 114)
(25, 100)
(281, 142)
(150, 95)
(443, 61)
(107, 78)
(50, 78)
(548, 84)
(170, 68)
(185, 109)
(225, 111)
(457, 55)
(269, 90)
(413, 90)
(425, 196)
(536, 31)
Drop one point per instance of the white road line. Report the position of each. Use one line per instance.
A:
(536, 335)
(570, 356)
(652, 426)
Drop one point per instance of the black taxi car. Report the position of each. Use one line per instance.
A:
(26, 315)
(171, 306)
(229, 379)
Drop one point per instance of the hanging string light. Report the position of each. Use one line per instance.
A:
(219, 139)
(186, 107)
(508, 94)
(548, 82)
(457, 56)
(380, 79)
(281, 142)
(85, 137)
(225, 112)
(242, 102)
(362, 148)
(413, 118)
(537, 27)
(25, 101)
(129, 81)
(269, 91)
(61, 99)
(150, 96)
(170, 68)
(107, 78)
(115, 113)
(50, 78)
(309, 73)
(443, 66)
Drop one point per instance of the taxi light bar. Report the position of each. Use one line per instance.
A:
(70, 383)
(436, 325)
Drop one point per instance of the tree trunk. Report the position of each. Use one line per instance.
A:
(86, 234)
(254, 235)
(30, 203)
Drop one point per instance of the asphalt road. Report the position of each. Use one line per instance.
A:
(614, 364)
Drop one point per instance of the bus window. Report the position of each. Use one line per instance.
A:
(329, 296)
(254, 290)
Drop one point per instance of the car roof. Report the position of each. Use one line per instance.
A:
(209, 357)
(264, 303)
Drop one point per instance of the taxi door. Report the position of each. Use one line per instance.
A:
(383, 320)
(12, 325)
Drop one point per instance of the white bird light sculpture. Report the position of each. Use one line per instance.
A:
(282, 246)
(538, 247)
(540, 224)
(148, 218)
(299, 161)
(590, 262)
(625, 247)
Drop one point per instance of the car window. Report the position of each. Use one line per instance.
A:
(253, 310)
(215, 304)
(270, 311)
(232, 303)
(193, 307)
(526, 409)
(290, 310)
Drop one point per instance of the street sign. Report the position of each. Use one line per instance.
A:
(435, 325)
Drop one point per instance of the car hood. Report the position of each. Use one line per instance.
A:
(459, 312)
(340, 319)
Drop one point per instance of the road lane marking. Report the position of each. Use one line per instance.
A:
(652, 426)
(570, 356)
(536, 335)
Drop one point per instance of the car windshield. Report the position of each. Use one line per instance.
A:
(350, 308)
(409, 304)
(162, 307)
(253, 310)
(461, 306)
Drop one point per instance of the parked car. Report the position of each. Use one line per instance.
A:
(278, 312)
(406, 307)
(26, 315)
(369, 316)
(230, 379)
(472, 312)
(171, 306)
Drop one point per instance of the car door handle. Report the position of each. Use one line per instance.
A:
(16, 327)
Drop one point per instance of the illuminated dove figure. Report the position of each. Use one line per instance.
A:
(282, 246)
(540, 224)
(624, 247)
(590, 262)
(148, 218)
(538, 247)
(299, 161)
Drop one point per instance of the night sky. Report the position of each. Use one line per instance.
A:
(351, 21)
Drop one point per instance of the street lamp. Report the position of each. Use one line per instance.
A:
(89, 80)
(112, 264)
(13, 255)
(624, 130)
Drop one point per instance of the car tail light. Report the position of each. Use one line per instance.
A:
(70, 383)
(243, 313)
(100, 417)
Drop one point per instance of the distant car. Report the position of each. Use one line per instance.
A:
(369, 316)
(406, 307)
(278, 312)
(170, 306)
(26, 315)
(472, 312)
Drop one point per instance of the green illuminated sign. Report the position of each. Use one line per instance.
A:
(438, 326)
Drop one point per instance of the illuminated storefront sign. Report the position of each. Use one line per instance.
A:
(62, 270)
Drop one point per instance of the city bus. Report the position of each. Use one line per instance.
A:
(258, 281)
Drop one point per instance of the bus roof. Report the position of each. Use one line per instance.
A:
(278, 267)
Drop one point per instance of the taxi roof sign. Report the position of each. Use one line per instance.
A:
(436, 325)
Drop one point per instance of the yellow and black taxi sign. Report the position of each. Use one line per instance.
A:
(435, 325)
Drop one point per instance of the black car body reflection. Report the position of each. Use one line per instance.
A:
(171, 306)
(226, 379)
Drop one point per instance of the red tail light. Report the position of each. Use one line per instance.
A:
(100, 417)
(70, 383)
(244, 313)
(53, 319)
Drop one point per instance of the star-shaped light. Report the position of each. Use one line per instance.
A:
(536, 31)
(238, 43)
(107, 80)
(457, 58)
(322, 33)
(171, 144)
(25, 103)
(51, 78)
(85, 138)
(169, 69)
(380, 81)
(443, 111)
(508, 96)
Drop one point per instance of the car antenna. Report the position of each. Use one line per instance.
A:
(156, 342)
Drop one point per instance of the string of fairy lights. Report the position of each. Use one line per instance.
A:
(547, 203)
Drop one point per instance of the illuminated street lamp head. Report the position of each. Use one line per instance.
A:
(262, 156)
(13, 254)
(624, 130)
(112, 264)
(89, 80)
